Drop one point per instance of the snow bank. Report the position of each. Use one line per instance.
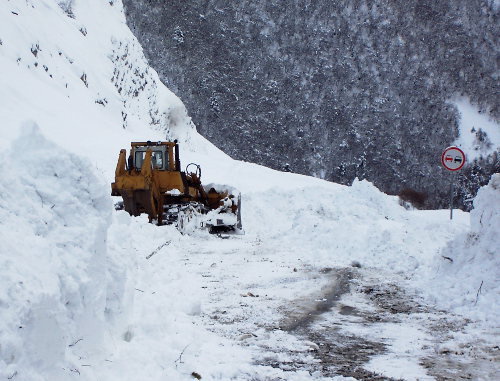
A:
(54, 214)
(339, 224)
(468, 270)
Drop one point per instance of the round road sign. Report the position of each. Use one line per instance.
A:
(453, 158)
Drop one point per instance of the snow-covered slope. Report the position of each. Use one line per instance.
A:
(90, 293)
(479, 135)
(82, 76)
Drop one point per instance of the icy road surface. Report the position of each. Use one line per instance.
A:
(267, 307)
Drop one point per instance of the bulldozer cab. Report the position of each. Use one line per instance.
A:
(164, 155)
(159, 157)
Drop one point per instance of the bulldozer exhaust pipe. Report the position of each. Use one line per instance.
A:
(177, 160)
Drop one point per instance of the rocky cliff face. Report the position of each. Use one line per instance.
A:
(334, 89)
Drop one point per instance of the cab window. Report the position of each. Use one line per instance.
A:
(156, 159)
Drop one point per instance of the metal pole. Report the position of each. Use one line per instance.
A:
(451, 195)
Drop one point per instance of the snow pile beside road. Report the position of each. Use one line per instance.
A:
(469, 268)
(339, 225)
(53, 221)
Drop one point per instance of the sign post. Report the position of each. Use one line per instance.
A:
(453, 159)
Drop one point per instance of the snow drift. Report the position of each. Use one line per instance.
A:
(469, 266)
(53, 284)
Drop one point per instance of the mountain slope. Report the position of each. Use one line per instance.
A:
(334, 89)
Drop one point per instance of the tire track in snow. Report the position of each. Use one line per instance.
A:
(336, 352)
(342, 321)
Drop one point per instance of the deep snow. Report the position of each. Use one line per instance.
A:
(91, 293)
(469, 266)
(54, 213)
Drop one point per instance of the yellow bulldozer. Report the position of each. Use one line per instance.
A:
(150, 181)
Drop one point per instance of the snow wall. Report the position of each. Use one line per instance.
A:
(469, 266)
(54, 286)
